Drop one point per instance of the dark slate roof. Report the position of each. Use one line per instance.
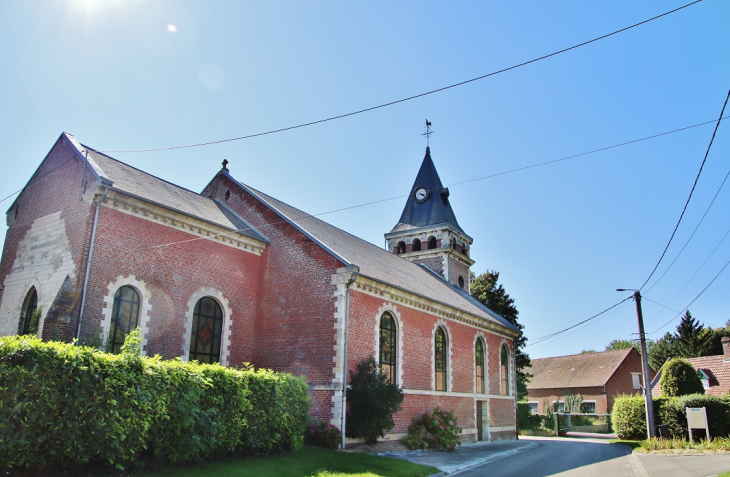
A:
(578, 370)
(436, 209)
(137, 183)
(376, 263)
(718, 368)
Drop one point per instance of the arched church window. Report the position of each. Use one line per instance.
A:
(125, 317)
(387, 346)
(401, 248)
(479, 357)
(432, 242)
(440, 359)
(205, 340)
(29, 322)
(416, 245)
(504, 366)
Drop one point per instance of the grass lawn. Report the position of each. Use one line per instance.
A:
(305, 462)
(632, 444)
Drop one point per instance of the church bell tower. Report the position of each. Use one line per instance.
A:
(428, 233)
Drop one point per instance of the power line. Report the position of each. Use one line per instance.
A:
(633, 141)
(391, 103)
(694, 300)
(707, 153)
(543, 338)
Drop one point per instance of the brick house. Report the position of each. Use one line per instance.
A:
(95, 248)
(714, 372)
(597, 377)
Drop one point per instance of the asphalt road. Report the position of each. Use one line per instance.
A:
(576, 457)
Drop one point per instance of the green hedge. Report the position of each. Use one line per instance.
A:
(629, 415)
(66, 406)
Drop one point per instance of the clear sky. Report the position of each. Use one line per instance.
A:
(138, 74)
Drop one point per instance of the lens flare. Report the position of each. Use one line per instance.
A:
(171, 28)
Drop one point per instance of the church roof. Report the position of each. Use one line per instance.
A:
(435, 209)
(140, 184)
(376, 263)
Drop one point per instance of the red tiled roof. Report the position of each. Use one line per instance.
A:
(578, 370)
(716, 364)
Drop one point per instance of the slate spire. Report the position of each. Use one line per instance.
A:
(428, 203)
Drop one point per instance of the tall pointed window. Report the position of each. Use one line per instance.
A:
(479, 357)
(440, 359)
(504, 366)
(28, 322)
(205, 340)
(125, 317)
(387, 346)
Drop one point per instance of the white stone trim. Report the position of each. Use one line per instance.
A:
(34, 283)
(449, 360)
(510, 368)
(120, 202)
(145, 307)
(477, 396)
(218, 296)
(339, 279)
(409, 300)
(399, 331)
(480, 336)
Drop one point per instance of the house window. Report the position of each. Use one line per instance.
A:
(432, 243)
(387, 346)
(559, 406)
(440, 359)
(416, 245)
(205, 341)
(29, 323)
(125, 317)
(532, 405)
(504, 366)
(479, 356)
(588, 407)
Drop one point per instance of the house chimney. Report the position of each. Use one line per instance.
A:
(726, 347)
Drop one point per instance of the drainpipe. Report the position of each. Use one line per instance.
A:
(353, 276)
(88, 261)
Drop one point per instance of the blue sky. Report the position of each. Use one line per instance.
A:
(138, 74)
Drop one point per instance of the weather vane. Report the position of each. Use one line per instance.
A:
(428, 132)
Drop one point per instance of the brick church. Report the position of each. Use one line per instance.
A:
(96, 248)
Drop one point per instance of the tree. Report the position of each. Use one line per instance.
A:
(623, 344)
(588, 351)
(693, 339)
(679, 378)
(374, 400)
(661, 350)
(485, 289)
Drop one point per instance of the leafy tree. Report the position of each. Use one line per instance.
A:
(693, 339)
(485, 289)
(616, 345)
(588, 351)
(374, 400)
(661, 350)
(679, 378)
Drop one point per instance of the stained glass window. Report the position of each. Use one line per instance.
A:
(387, 346)
(479, 356)
(205, 339)
(504, 364)
(29, 323)
(125, 316)
(440, 359)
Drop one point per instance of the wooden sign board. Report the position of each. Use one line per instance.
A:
(697, 419)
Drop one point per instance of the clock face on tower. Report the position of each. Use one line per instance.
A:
(421, 194)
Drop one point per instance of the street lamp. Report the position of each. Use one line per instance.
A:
(644, 364)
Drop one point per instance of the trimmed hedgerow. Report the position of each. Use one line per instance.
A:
(64, 406)
(629, 415)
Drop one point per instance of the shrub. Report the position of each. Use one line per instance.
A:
(629, 417)
(374, 401)
(322, 434)
(673, 412)
(679, 378)
(433, 430)
(66, 406)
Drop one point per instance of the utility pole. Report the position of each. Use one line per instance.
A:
(650, 429)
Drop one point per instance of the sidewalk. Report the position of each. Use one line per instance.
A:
(465, 455)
